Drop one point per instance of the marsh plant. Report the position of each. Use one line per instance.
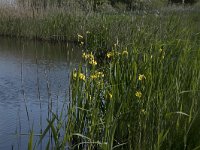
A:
(145, 92)
(139, 100)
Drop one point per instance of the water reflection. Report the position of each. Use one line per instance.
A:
(33, 75)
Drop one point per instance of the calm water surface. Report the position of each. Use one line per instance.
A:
(33, 76)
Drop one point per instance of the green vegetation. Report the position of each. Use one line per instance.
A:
(144, 94)
(139, 85)
(56, 23)
(91, 4)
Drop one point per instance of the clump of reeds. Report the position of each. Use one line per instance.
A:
(144, 95)
(139, 88)
(63, 24)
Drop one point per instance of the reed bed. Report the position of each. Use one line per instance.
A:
(139, 85)
(63, 24)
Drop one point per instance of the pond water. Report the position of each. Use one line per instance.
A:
(7, 1)
(34, 79)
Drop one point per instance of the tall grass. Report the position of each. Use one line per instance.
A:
(63, 24)
(145, 94)
(139, 87)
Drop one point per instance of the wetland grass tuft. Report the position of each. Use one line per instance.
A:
(143, 92)
(144, 95)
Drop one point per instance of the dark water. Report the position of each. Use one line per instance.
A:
(34, 77)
